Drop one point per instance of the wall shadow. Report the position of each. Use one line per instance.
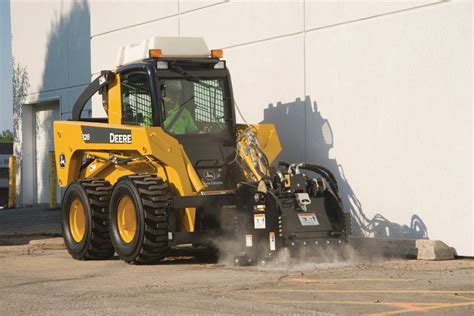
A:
(67, 68)
(68, 54)
(307, 136)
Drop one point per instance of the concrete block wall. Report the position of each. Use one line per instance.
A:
(378, 91)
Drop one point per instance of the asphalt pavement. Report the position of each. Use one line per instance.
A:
(41, 278)
(18, 226)
(38, 276)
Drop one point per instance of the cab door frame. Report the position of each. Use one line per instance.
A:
(149, 69)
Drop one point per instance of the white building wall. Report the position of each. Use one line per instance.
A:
(397, 93)
(378, 91)
(51, 39)
(391, 80)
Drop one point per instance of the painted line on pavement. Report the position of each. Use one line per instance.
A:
(363, 291)
(406, 306)
(350, 302)
(305, 280)
(425, 309)
(469, 298)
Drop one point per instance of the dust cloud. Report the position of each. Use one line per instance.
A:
(310, 259)
(304, 259)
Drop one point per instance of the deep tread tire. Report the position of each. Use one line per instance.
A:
(94, 194)
(151, 196)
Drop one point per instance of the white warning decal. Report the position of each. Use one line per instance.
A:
(308, 219)
(272, 241)
(248, 241)
(259, 221)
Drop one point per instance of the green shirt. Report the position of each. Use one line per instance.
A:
(184, 124)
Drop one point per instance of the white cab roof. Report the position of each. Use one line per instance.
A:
(179, 47)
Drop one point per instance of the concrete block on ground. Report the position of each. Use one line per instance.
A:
(433, 250)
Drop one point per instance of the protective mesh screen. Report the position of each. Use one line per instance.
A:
(136, 102)
(209, 102)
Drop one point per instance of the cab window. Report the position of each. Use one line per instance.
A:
(193, 106)
(136, 99)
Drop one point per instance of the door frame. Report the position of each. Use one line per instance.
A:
(33, 107)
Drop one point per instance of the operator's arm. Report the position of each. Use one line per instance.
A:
(168, 119)
(191, 127)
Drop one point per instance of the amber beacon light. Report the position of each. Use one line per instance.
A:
(217, 53)
(154, 53)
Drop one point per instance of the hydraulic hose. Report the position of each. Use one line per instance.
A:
(328, 175)
(315, 168)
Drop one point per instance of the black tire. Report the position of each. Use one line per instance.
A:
(150, 196)
(93, 195)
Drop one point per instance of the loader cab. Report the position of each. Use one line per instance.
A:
(191, 99)
(196, 107)
(195, 100)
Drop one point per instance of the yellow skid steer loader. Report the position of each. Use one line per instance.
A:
(168, 165)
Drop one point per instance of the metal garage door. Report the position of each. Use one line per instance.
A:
(45, 115)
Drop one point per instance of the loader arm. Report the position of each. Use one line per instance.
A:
(258, 147)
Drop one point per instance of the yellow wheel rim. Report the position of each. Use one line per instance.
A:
(77, 220)
(126, 219)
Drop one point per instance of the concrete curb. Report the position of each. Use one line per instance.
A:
(433, 250)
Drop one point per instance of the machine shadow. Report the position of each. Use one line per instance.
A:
(306, 135)
(184, 255)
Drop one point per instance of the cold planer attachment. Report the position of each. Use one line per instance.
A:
(298, 209)
(295, 206)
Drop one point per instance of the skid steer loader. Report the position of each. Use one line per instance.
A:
(168, 165)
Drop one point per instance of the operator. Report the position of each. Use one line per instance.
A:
(184, 123)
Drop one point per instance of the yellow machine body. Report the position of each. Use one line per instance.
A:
(149, 150)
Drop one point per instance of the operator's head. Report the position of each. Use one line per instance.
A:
(173, 92)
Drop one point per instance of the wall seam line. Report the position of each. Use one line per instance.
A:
(378, 15)
(58, 89)
(334, 25)
(158, 19)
